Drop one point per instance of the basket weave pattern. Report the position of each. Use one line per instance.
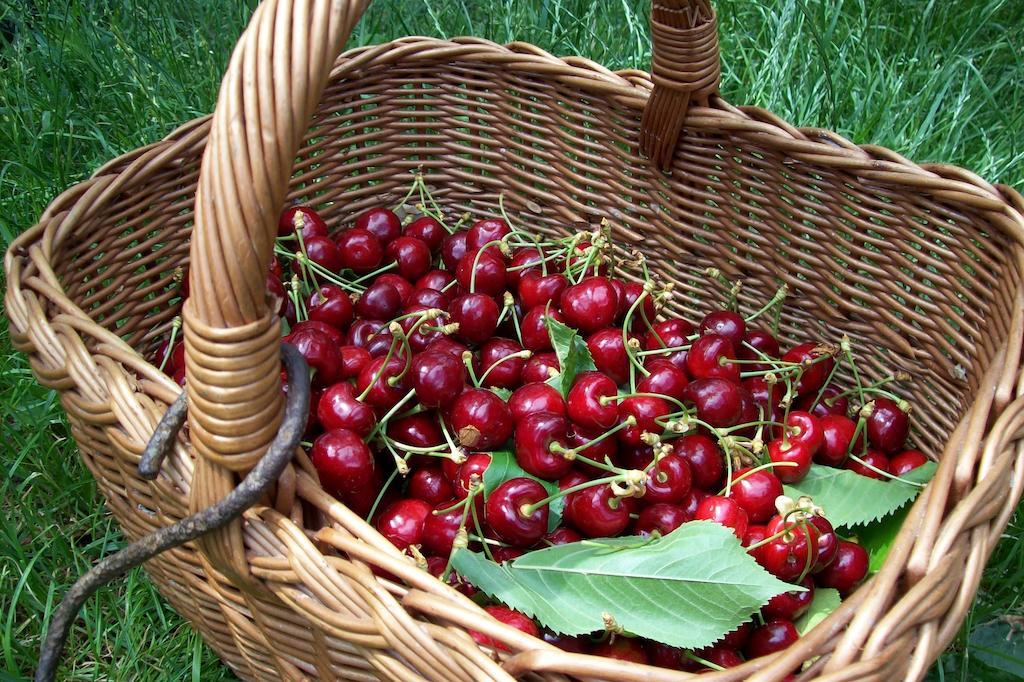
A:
(921, 265)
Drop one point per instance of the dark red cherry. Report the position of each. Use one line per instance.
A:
(536, 289)
(775, 635)
(362, 332)
(485, 231)
(758, 343)
(419, 430)
(332, 333)
(525, 260)
(718, 401)
(792, 457)
(535, 435)
(380, 301)
(472, 469)
(878, 463)
(476, 315)
(276, 295)
(360, 250)
(805, 429)
(430, 485)
(725, 323)
(323, 252)
(709, 358)
(500, 363)
(693, 501)
(644, 314)
(847, 570)
(482, 272)
(836, 432)
(590, 305)
(441, 526)
(756, 493)
(400, 283)
(887, 426)
(438, 378)
(827, 541)
(503, 554)
(830, 403)
(671, 333)
(534, 328)
(621, 648)
(438, 280)
(402, 522)
(907, 461)
(505, 615)
(706, 460)
(342, 460)
(766, 397)
(722, 656)
(561, 536)
(738, 638)
(661, 517)
(339, 409)
(428, 298)
(331, 305)
(592, 401)
(541, 367)
(816, 368)
(453, 249)
(387, 388)
(601, 450)
(427, 229)
(793, 553)
(448, 346)
(381, 223)
(596, 512)
(665, 378)
(481, 420)
(725, 511)
(295, 218)
(362, 500)
(646, 410)
(609, 352)
(790, 605)
(321, 354)
(507, 513)
(535, 397)
(668, 481)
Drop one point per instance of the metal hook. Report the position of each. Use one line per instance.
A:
(247, 493)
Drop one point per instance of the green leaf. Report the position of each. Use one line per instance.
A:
(877, 537)
(850, 499)
(504, 467)
(573, 355)
(687, 589)
(502, 393)
(826, 600)
(1000, 645)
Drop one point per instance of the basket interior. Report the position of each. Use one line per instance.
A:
(919, 284)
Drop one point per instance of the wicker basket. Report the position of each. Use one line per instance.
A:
(920, 264)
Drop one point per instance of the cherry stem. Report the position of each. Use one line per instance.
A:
(467, 360)
(630, 352)
(703, 661)
(380, 372)
(664, 350)
(476, 261)
(771, 538)
(779, 297)
(378, 271)
(380, 496)
(480, 530)
(175, 326)
(318, 269)
(574, 453)
(870, 388)
(453, 448)
(528, 509)
(754, 470)
(821, 391)
(886, 474)
(604, 400)
(523, 354)
(391, 413)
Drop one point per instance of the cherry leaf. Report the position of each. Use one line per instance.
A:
(573, 355)
(826, 600)
(850, 499)
(504, 467)
(686, 589)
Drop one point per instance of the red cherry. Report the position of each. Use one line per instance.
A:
(874, 458)
(384, 393)
(847, 570)
(380, 301)
(340, 409)
(424, 299)
(722, 656)
(665, 656)
(767, 397)
(473, 467)
(816, 369)
(827, 541)
(535, 397)
(646, 410)
(590, 305)
(621, 648)
(525, 260)
(661, 517)
(485, 231)
(793, 455)
(402, 522)
(498, 363)
(790, 605)
(709, 357)
(331, 305)
(668, 481)
(837, 432)
(353, 360)
(453, 249)
(775, 635)
(427, 229)
(534, 328)
(562, 536)
(609, 352)
(671, 333)
(541, 367)
(793, 553)
(505, 512)
(342, 460)
(805, 429)
(756, 344)
(401, 284)
(705, 459)
(597, 512)
(482, 272)
(320, 353)
(362, 332)
(665, 378)
(718, 401)
(481, 419)
(419, 430)
(888, 426)
(362, 499)
(437, 377)
(755, 493)
(441, 526)
(476, 315)
(276, 295)
(591, 401)
(505, 615)
(906, 461)
(645, 313)
(381, 223)
(360, 250)
(580, 437)
(448, 346)
(534, 437)
(438, 280)
(725, 511)
(536, 289)
(693, 501)
(738, 638)
(430, 485)
(725, 323)
(323, 252)
(301, 217)
(830, 403)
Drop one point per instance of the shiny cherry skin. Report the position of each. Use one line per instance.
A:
(476, 315)
(609, 352)
(536, 289)
(411, 256)
(827, 542)
(320, 353)
(402, 522)
(596, 512)
(718, 401)
(323, 252)
(438, 378)
(535, 435)
(506, 512)
(725, 323)
(381, 223)
(755, 493)
(541, 367)
(756, 344)
(384, 392)
(380, 301)
(400, 283)
(429, 484)
(448, 346)
(661, 517)
(607, 448)
(874, 458)
(333, 333)
(339, 408)
(561, 536)
(671, 333)
(837, 433)
(498, 364)
(790, 605)
(427, 229)
(485, 231)
(709, 358)
(792, 554)
(441, 526)
(805, 429)
(525, 260)
(362, 332)
(644, 314)
(816, 368)
(301, 218)
(907, 461)
(534, 328)
(621, 648)
(360, 250)
(453, 250)
(439, 280)
(724, 511)
(480, 419)
(738, 638)
(482, 272)
(592, 403)
(665, 378)
(793, 457)
(428, 298)
(707, 463)
(505, 615)
(331, 305)
(590, 305)
(775, 635)
(353, 360)
(472, 469)
(342, 460)
(829, 403)
(888, 426)
(668, 481)
(847, 570)
(419, 430)
(535, 397)
(646, 410)
(722, 656)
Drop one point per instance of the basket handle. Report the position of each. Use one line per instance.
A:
(685, 68)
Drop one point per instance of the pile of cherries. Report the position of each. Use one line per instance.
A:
(432, 349)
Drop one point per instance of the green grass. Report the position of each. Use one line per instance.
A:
(86, 80)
